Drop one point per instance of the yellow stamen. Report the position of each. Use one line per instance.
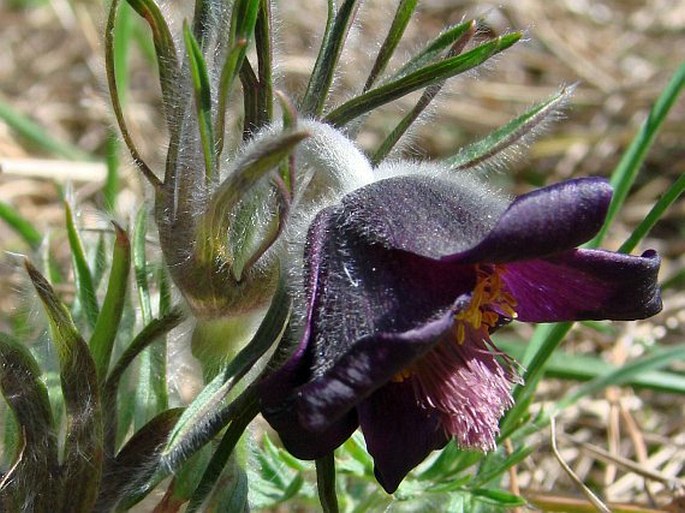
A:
(489, 301)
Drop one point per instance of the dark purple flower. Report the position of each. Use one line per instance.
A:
(404, 282)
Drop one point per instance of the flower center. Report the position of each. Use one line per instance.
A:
(489, 302)
(467, 384)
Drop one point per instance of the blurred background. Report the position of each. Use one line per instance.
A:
(620, 53)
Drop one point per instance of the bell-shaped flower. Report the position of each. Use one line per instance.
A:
(405, 279)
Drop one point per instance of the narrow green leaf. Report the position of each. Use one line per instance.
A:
(426, 98)
(155, 329)
(498, 497)
(282, 456)
(110, 189)
(624, 175)
(542, 345)
(619, 376)
(331, 47)
(100, 260)
(488, 473)
(293, 488)
(656, 212)
(112, 55)
(164, 291)
(547, 337)
(229, 493)
(264, 44)
(434, 49)
(354, 448)
(85, 288)
(21, 225)
(325, 481)
(287, 168)
(134, 463)
(123, 33)
(624, 374)
(243, 22)
(580, 367)
(403, 14)
(151, 388)
(419, 79)
(204, 418)
(509, 134)
(248, 171)
(203, 15)
(38, 136)
(217, 464)
(165, 48)
(271, 468)
(140, 265)
(102, 341)
(30, 484)
(250, 84)
(83, 446)
(203, 99)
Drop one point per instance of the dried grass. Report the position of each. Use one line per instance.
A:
(622, 52)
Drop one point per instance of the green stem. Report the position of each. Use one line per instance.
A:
(325, 481)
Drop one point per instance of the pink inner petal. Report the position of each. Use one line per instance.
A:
(469, 386)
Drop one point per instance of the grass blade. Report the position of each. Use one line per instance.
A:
(38, 136)
(21, 225)
(150, 333)
(85, 287)
(624, 374)
(102, 341)
(548, 337)
(653, 216)
(403, 14)
(331, 47)
(203, 99)
(624, 175)
(419, 79)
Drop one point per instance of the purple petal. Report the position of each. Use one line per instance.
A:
(399, 433)
(357, 290)
(585, 284)
(364, 368)
(278, 408)
(422, 215)
(549, 220)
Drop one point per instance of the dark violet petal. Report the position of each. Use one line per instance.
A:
(308, 445)
(399, 433)
(277, 395)
(423, 215)
(356, 290)
(585, 284)
(368, 365)
(549, 220)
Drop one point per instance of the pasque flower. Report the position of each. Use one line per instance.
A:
(404, 281)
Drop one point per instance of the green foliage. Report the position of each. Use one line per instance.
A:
(109, 398)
